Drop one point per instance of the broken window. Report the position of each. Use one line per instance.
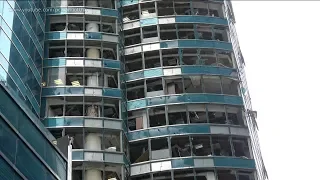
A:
(192, 84)
(149, 34)
(187, 174)
(93, 77)
(230, 86)
(77, 142)
(76, 174)
(168, 32)
(154, 87)
(204, 31)
(133, 62)
(74, 76)
(190, 57)
(56, 77)
(110, 4)
(174, 85)
(58, 23)
(235, 115)
(111, 141)
(226, 175)
(224, 59)
(212, 84)
(139, 151)
(57, 52)
(75, 52)
(182, 7)
(130, 13)
(159, 149)
(165, 8)
(135, 90)
(157, 116)
(75, 22)
(200, 8)
(137, 120)
(110, 78)
(241, 147)
(111, 108)
(161, 175)
(74, 106)
(170, 57)
(216, 114)
(109, 53)
(244, 175)
(185, 31)
(177, 114)
(215, 10)
(180, 146)
(55, 106)
(201, 146)
(208, 57)
(197, 113)
(132, 36)
(108, 25)
(152, 59)
(221, 146)
(93, 106)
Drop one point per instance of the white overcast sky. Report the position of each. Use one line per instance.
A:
(280, 41)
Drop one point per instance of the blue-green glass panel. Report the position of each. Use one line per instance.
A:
(93, 35)
(227, 71)
(74, 121)
(56, 35)
(212, 98)
(109, 12)
(153, 73)
(136, 104)
(147, 22)
(196, 98)
(112, 92)
(54, 62)
(201, 19)
(76, 10)
(235, 100)
(128, 2)
(57, 10)
(111, 64)
(138, 135)
(234, 162)
(156, 101)
(77, 155)
(175, 99)
(8, 141)
(6, 171)
(161, 131)
(53, 91)
(182, 163)
(169, 44)
(205, 44)
(74, 90)
(53, 122)
(199, 70)
(134, 75)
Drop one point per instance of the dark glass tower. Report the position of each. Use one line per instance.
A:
(26, 149)
(147, 89)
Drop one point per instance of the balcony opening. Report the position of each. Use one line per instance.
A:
(187, 174)
(110, 79)
(152, 59)
(109, 53)
(182, 8)
(137, 120)
(226, 174)
(111, 141)
(168, 32)
(135, 90)
(225, 60)
(235, 115)
(56, 77)
(190, 57)
(56, 52)
(110, 4)
(177, 114)
(55, 106)
(57, 23)
(149, 34)
(170, 57)
(75, 52)
(180, 146)
(221, 146)
(197, 113)
(241, 147)
(159, 149)
(139, 151)
(215, 10)
(74, 76)
(132, 37)
(200, 8)
(204, 31)
(76, 174)
(208, 57)
(130, 13)
(174, 85)
(162, 175)
(201, 145)
(165, 8)
(192, 84)
(74, 106)
(111, 108)
(154, 87)
(148, 10)
(186, 31)
(58, 27)
(212, 84)
(108, 25)
(142, 177)
(133, 62)
(230, 86)
(157, 116)
(216, 114)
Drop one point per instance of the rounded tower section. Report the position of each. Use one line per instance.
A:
(186, 117)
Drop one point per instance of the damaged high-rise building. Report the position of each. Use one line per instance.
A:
(146, 90)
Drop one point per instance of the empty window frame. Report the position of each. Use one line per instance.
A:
(226, 175)
(177, 114)
(241, 147)
(165, 8)
(187, 174)
(135, 90)
(139, 151)
(133, 62)
(180, 146)
(159, 148)
(109, 51)
(137, 120)
(224, 59)
(110, 78)
(204, 31)
(56, 77)
(216, 114)
(154, 87)
(208, 57)
(170, 57)
(173, 85)
(230, 86)
(111, 141)
(192, 84)
(235, 115)
(110, 4)
(157, 116)
(74, 106)
(182, 7)
(75, 2)
(76, 22)
(152, 59)
(244, 175)
(132, 36)
(148, 10)
(149, 34)
(58, 23)
(108, 25)
(197, 113)
(220, 34)
(130, 13)
(111, 108)
(74, 52)
(200, 8)
(168, 32)
(74, 76)
(161, 175)
(215, 10)
(190, 57)
(221, 146)
(55, 106)
(212, 84)
(185, 31)
(201, 146)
